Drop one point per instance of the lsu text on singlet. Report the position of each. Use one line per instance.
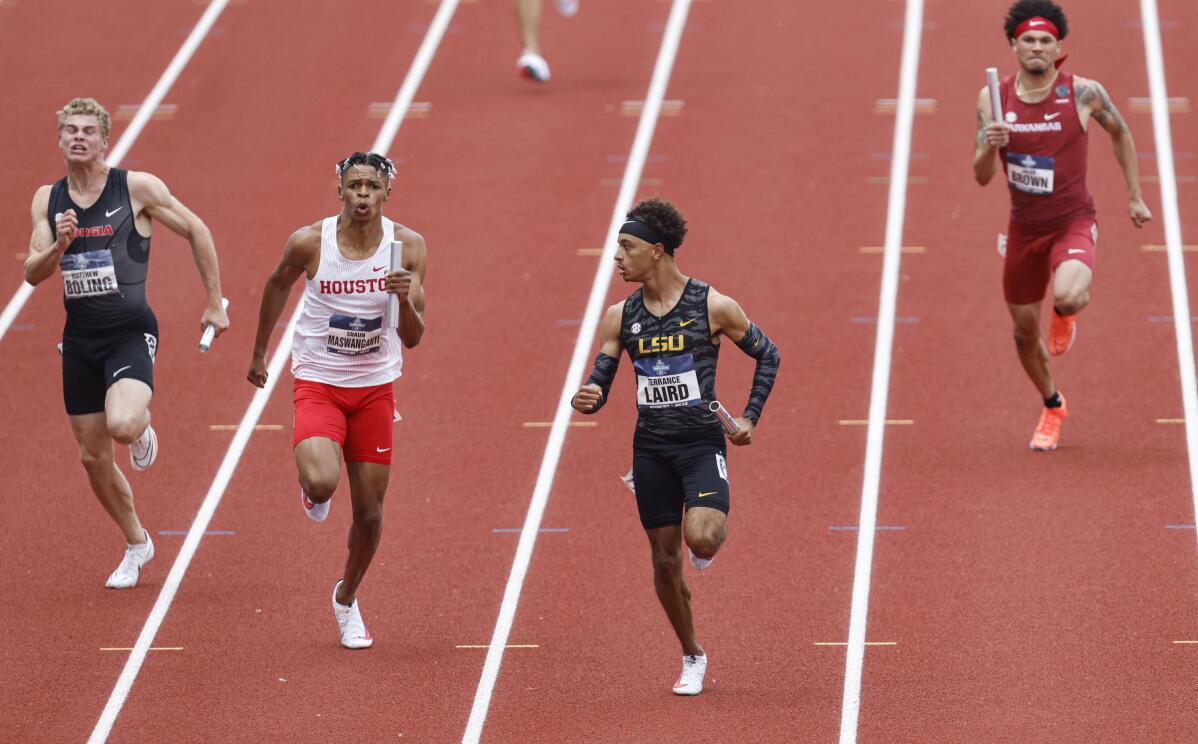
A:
(104, 269)
(675, 363)
(1045, 160)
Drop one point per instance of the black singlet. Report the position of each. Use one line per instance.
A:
(104, 269)
(674, 360)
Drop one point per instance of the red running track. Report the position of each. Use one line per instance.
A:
(1037, 615)
(1033, 597)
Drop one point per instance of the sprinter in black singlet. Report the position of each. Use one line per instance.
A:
(671, 328)
(94, 226)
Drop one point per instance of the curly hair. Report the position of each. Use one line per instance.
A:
(1025, 9)
(663, 217)
(84, 107)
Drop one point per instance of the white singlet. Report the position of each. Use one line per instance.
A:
(340, 338)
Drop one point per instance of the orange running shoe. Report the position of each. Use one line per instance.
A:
(1048, 431)
(1062, 332)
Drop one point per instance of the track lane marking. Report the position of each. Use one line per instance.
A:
(245, 429)
(1170, 214)
(582, 347)
(151, 648)
(130, 135)
(887, 301)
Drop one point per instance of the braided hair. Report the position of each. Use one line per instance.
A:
(375, 160)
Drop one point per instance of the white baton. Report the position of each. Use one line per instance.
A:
(995, 98)
(210, 330)
(725, 418)
(393, 300)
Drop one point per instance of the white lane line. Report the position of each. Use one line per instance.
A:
(896, 207)
(1170, 214)
(574, 374)
(129, 136)
(246, 428)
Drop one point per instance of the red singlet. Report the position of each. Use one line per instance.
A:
(1052, 212)
(1045, 161)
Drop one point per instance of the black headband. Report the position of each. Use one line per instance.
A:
(647, 234)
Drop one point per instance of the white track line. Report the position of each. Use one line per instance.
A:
(129, 136)
(574, 374)
(246, 428)
(895, 210)
(1170, 213)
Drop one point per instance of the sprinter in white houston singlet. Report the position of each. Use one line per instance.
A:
(344, 358)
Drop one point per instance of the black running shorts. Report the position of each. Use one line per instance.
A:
(94, 360)
(672, 477)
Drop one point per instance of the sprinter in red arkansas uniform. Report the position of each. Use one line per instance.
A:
(1041, 144)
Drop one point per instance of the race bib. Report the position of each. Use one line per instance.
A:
(350, 336)
(88, 274)
(666, 382)
(1031, 174)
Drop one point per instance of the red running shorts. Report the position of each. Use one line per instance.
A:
(1034, 253)
(358, 419)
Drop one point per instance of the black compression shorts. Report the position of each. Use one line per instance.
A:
(672, 477)
(94, 360)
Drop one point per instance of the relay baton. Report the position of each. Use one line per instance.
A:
(725, 418)
(210, 330)
(995, 98)
(393, 300)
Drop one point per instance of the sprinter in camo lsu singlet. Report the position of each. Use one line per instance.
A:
(671, 329)
(1041, 143)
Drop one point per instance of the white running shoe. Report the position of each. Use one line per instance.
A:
(690, 682)
(316, 512)
(144, 451)
(136, 556)
(349, 622)
(566, 7)
(533, 66)
(696, 561)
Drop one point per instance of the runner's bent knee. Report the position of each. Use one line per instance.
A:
(1072, 301)
(125, 428)
(318, 481)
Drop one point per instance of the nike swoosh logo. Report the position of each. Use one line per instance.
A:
(1050, 117)
(707, 493)
(379, 268)
(1076, 250)
(1035, 23)
(685, 323)
(109, 214)
(122, 369)
(380, 450)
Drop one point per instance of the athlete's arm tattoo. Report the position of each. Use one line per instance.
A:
(1093, 95)
(757, 345)
(602, 374)
(980, 138)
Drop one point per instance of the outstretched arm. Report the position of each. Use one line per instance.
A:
(990, 136)
(302, 249)
(158, 203)
(591, 396)
(1093, 98)
(728, 318)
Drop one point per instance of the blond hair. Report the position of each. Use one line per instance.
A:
(84, 107)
